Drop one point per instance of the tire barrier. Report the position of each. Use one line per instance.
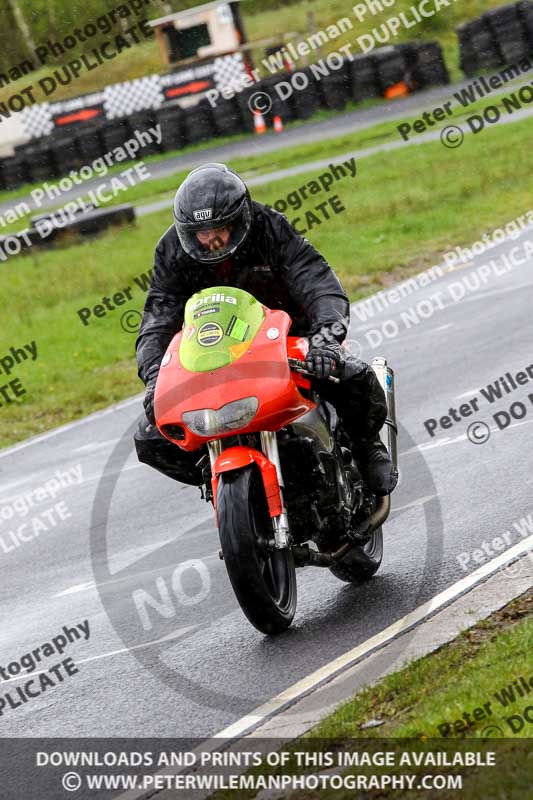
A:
(391, 67)
(501, 36)
(144, 120)
(477, 47)
(59, 227)
(244, 99)
(14, 172)
(173, 133)
(40, 163)
(114, 134)
(90, 144)
(525, 12)
(429, 67)
(509, 33)
(52, 228)
(65, 154)
(335, 90)
(199, 123)
(363, 79)
(280, 107)
(306, 102)
(227, 118)
(288, 96)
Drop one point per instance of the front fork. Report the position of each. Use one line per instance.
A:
(269, 446)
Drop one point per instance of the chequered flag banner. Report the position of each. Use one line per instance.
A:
(38, 120)
(122, 99)
(228, 69)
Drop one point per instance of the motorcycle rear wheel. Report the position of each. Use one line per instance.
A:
(361, 563)
(263, 579)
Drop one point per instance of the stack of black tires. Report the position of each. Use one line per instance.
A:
(14, 171)
(500, 37)
(419, 65)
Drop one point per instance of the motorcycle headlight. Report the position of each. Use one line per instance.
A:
(231, 417)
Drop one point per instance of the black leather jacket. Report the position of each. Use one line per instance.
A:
(277, 265)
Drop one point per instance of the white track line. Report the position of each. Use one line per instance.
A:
(69, 426)
(344, 662)
(168, 638)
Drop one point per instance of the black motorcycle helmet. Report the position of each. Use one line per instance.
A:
(212, 197)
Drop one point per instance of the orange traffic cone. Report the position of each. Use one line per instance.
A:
(260, 124)
(398, 90)
(278, 124)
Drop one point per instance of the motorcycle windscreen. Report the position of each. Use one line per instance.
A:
(219, 324)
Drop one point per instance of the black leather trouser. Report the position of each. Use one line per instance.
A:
(156, 451)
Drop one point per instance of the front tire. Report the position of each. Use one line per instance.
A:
(263, 579)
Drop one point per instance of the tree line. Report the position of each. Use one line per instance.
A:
(27, 24)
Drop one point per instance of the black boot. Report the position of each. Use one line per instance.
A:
(375, 465)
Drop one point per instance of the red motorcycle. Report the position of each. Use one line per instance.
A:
(277, 464)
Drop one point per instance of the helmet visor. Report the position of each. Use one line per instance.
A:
(217, 240)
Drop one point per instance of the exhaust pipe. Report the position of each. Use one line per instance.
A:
(389, 431)
(388, 435)
(305, 557)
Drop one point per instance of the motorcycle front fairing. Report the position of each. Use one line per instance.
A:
(231, 349)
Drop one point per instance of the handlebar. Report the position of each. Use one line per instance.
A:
(299, 366)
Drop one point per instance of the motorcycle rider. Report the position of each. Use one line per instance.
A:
(220, 236)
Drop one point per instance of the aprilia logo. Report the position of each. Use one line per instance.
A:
(215, 298)
(203, 214)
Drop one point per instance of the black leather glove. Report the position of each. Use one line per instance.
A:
(325, 359)
(149, 396)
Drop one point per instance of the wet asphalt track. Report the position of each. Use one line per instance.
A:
(130, 529)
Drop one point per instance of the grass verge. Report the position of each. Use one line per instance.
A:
(429, 698)
(477, 670)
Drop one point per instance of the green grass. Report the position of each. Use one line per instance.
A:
(420, 699)
(403, 210)
(144, 59)
(412, 703)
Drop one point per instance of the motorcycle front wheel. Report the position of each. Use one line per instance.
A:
(263, 579)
